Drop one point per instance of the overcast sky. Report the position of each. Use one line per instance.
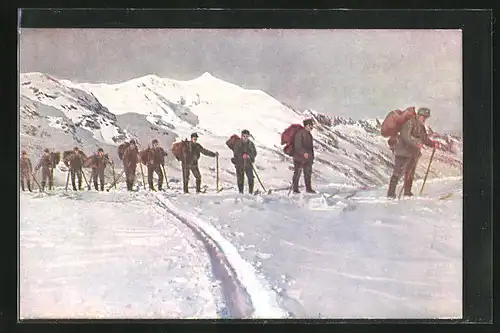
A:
(357, 73)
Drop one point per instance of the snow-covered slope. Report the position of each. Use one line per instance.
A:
(91, 115)
(274, 255)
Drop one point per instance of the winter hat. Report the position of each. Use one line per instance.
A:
(100, 149)
(194, 135)
(154, 141)
(426, 112)
(308, 122)
(245, 132)
(46, 150)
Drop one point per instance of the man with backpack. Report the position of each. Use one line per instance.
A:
(244, 156)
(46, 165)
(130, 157)
(155, 159)
(412, 137)
(74, 161)
(189, 162)
(98, 163)
(303, 156)
(26, 170)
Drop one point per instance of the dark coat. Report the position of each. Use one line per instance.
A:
(193, 154)
(303, 143)
(241, 148)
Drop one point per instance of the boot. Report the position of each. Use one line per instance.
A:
(151, 186)
(22, 186)
(308, 186)
(29, 187)
(407, 190)
(79, 186)
(102, 187)
(186, 187)
(74, 186)
(250, 187)
(198, 185)
(51, 185)
(160, 188)
(96, 186)
(391, 192)
(43, 186)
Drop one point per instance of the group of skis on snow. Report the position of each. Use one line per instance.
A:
(405, 130)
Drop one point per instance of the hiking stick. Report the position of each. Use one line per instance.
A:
(217, 170)
(115, 181)
(113, 167)
(51, 179)
(258, 178)
(407, 176)
(39, 187)
(143, 179)
(85, 178)
(427, 172)
(165, 175)
(114, 174)
(67, 181)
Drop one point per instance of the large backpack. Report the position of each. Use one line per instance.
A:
(394, 121)
(55, 157)
(232, 141)
(177, 149)
(121, 149)
(288, 137)
(145, 156)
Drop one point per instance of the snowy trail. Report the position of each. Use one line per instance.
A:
(248, 295)
(363, 257)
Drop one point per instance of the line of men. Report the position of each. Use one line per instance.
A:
(413, 136)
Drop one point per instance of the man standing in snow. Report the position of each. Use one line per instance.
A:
(26, 170)
(98, 163)
(407, 150)
(303, 157)
(190, 162)
(244, 156)
(130, 160)
(155, 157)
(75, 163)
(46, 165)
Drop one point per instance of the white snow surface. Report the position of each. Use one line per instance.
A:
(109, 255)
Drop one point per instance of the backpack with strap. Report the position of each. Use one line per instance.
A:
(392, 124)
(121, 149)
(232, 141)
(55, 157)
(177, 149)
(395, 120)
(145, 156)
(288, 137)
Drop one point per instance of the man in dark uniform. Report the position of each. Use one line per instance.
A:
(190, 162)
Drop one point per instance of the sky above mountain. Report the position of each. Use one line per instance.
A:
(356, 73)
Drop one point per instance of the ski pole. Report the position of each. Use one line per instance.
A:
(165, 175)
(67, 181)
(407, 176)
(258, 178)
(217, 170)
(113, 168)
(85, 178)
(427, 172)
(116, 180)
(143, 179)
(39, 187)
